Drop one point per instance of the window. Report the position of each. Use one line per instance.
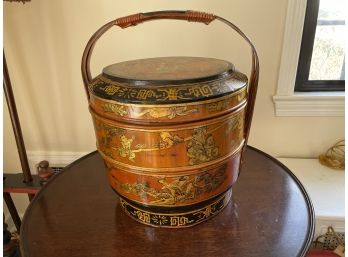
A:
(287, 101)
(321, 62)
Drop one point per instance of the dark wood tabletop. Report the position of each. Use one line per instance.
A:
(77, 214)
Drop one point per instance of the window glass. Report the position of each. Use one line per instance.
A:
(328, 51)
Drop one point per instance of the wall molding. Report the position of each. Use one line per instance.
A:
(291, 46)
(310, 104)
(325, 187)
(55, 158)
(321, 225)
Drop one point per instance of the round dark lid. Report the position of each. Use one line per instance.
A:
(167, 80)
(173, 70)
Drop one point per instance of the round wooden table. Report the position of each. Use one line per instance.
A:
(78, 214)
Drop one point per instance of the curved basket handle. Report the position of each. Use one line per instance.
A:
(133, 20)
(193, 16)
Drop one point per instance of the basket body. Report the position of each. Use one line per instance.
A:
(171, 133)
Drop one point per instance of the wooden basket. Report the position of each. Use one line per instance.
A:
(171, 130)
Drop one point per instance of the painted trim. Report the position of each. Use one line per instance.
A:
(291, 46)
(322, 224)
(55, 158)
(310, 104)
(309, 172)
(286, 101)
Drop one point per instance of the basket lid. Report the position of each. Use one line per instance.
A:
(167, 80)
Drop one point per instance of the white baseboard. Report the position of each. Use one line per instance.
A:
(322, 223)
(325, 187)
(55, 158)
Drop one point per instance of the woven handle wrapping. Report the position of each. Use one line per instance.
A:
(192, 16)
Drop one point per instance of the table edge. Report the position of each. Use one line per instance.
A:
(302, 253)
(311, 226)
(40, 192)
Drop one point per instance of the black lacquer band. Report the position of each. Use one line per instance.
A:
(176, 220)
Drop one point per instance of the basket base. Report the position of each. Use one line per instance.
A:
(169, 218)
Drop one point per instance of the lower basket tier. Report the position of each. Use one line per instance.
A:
(175, 190)
(176, 217)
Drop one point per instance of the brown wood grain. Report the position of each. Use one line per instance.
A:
(13, 183)
(77, 214)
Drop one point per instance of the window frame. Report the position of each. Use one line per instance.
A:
(302, 83)
(287, 102)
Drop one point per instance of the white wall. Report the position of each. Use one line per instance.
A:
(44, 41)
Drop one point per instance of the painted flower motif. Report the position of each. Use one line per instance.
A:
(160, 219)
(201, 148)
(114, 108)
